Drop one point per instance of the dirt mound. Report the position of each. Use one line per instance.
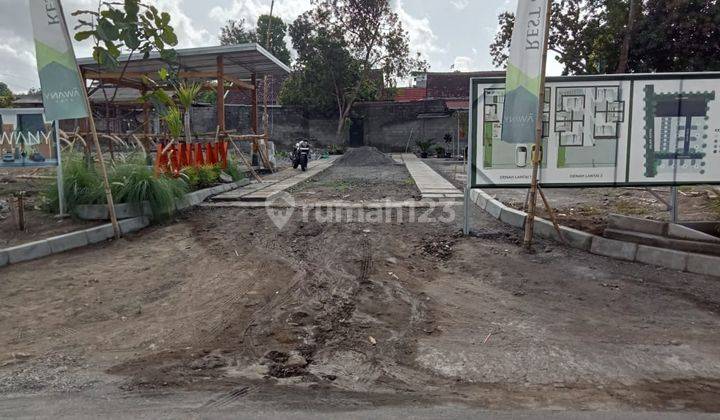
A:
(364, 156)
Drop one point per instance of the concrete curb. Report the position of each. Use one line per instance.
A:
(620, 250)
(98, 234)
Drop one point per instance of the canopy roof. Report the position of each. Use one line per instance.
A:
(240, 62)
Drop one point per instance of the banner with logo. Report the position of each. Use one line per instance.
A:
(62, 87)
(524, 72)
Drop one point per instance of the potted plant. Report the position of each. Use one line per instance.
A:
(424, 146)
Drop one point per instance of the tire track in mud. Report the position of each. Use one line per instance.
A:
(224, 400)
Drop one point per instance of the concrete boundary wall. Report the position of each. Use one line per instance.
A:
(620, 250)
(82, 238)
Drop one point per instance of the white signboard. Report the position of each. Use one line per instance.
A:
(605, 131)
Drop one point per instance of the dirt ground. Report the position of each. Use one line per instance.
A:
(358, 315)
(39, 224)
(587, 208)
(362, 174)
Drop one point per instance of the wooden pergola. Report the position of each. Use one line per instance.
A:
(236, 67)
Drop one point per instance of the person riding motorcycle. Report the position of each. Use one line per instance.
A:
(301, 154)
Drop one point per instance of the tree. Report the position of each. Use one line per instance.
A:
(134, 27)
(234, 33)
(6, 96)
(590, 36)
(340, 43)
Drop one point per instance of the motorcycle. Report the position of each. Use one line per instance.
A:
(301, 155)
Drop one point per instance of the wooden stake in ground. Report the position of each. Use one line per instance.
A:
(20, 197)
(553, 217)
(538, 152)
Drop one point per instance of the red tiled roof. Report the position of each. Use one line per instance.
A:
(458, 104)
(454, 85)
(410, 94)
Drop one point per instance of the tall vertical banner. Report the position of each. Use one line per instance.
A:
(524, 72)
(62, 87)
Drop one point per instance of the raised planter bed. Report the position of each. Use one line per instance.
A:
(131, 211)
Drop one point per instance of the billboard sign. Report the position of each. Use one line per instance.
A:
(27, 139)
(615, 130)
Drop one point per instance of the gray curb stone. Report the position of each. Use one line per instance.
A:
(27, 252)
(577, 238)
(494, 207)
(4, 258)
(68, 241)
(704, 264)
(133, 225)
(682, 232)
(513, 217)
(100, 234)
(661, 257)
(615, 249)
(652, 227)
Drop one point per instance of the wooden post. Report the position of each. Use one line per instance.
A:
(538, 153)
(254, 105)
(21, 210)
(146, 115)
(221, 92)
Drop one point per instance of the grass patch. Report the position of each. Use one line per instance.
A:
(630, 208)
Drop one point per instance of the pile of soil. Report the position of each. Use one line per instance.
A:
(364, 156)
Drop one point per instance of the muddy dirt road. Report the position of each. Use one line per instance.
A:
(354, 316)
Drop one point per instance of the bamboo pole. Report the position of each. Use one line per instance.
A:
(96, 141)
(553, 216)
(537, 154)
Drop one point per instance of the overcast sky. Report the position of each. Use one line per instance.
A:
(451, 34)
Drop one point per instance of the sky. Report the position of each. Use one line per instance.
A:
(451, 34)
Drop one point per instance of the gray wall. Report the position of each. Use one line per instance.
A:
(387, 126)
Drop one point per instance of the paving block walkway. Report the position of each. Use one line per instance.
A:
(276, 183)
(430, 183)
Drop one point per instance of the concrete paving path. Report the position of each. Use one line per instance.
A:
(276, 183)
(430, 183)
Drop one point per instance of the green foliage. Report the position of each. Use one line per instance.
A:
(135, 184)
(6, 96)
(208, 175)
(186, 93)
(425, 145)
(132, 26)
(588, 36)
(131, 181)
(233, 169)
(234, 33)
(345, 50)
(191, 176)
(82, 185)
(174, 121)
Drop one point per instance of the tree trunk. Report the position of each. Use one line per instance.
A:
(627, 42)
(340, 127)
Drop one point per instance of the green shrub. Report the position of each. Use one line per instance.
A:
(233, 169)
(136, 184)
(208, 175)
(191, 175)
(82, 185)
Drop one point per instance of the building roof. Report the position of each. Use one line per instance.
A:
(240, 61)
(410, 94)
(28, 100)
(454, 85)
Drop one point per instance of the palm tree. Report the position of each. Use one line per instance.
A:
(186, 94)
